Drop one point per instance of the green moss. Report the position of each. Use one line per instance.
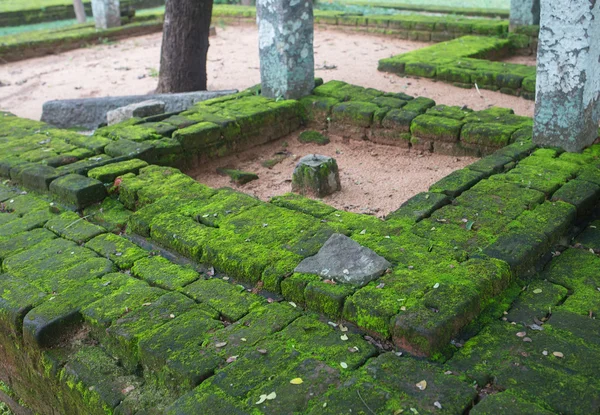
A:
(78, 191)
(120, 250)
(231, 301)
(110, 214)
(327, 299)
(17, 297)
(457, 182)
(436, 128)
(15, 243)
(71, 226)
(198, 136)
(238, 177)
(354, 113)
(419, 206)
(108, 174)
(312, 136)
(487, 134)
(293, 287)
(160, 272)
(303, 204)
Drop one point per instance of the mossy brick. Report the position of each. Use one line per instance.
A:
(83, 166)
(182, 235)
(492, 164)
(17, 298)
(355, 113)
(26, 203)
(28, 222)
(161, 272)
(94, 143)
(517, 151)
(486, 134)
(421, 69)
(312, 136)
(521, 250)
(238, 177)
(591, 175)
(536, 302)
(576, 269)
(426, 328)
(78, 191)
(318, 377)
(327, 299)
(457, 182)
(568, 168)
(420, 206)
(128, 149)
(231, 301)
(528, 84)
(519, 367)
(137, 133)
(254, 327)
(102, 313)
(544, 180)
(44, 325)
(15, 243)
(399, 120)
(108, 173)
(173, 356)
(387, 384)
(96, 378)
(123, 335)
(197, 136)
(293, 287)
(110, 214)
(214, 402)
(312, 337)
(302, 204)
(17, 170)
(419, 105)
(590, 237)
(446, 111)
(7, 193)
(70, 225)
(506, 403)
(581, 194)
(436, 128)
(489, 115)
(577, 325)
(317, 108)
(38, 177)
(118, 249)
(389, 102)
(552, 218)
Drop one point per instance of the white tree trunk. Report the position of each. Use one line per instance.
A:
(79, 11)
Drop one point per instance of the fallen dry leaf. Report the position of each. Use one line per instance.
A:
(296, 381)
(422, 385)
(558, 354)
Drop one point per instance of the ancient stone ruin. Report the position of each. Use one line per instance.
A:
(129, 287)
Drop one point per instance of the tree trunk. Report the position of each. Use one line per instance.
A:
(79, 11)
(185, 46)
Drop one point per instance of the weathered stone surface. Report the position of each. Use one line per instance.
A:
(107, 13)
(568, 81)
(91, 112)
(344, 260)
(140, 109)
(316, 175)
(524, 13)
(285, 33)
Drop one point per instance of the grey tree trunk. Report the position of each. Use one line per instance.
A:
(185, 46)
(79, 11)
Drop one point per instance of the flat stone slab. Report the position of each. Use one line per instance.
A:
(140, 109)
(90, 113)
(345, 261)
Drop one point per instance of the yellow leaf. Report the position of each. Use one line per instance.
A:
(558, 354)
(296, 381)
(271, 396)
(422, 385)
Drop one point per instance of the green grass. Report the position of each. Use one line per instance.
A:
(14, 5)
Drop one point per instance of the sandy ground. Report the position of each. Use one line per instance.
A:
(376, 179)
(130, 67)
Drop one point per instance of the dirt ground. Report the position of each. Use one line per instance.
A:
(131, 66)
(376, 179)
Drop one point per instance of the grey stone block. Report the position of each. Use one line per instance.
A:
(90, 113)
(141, 109)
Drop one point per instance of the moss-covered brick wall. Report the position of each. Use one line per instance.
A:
(32, 15)
(128, 287)
(401, 120)
(427, 28)
(463, 62)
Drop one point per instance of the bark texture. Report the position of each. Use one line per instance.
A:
(185, 46)
(79, 11)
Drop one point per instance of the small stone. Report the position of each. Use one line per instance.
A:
(311, 136)
(527, 339)
(221, 344)
(545, 352)
(437, 405)
(521, 334)
(238, 177)
(558, 354)
(316, 175)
